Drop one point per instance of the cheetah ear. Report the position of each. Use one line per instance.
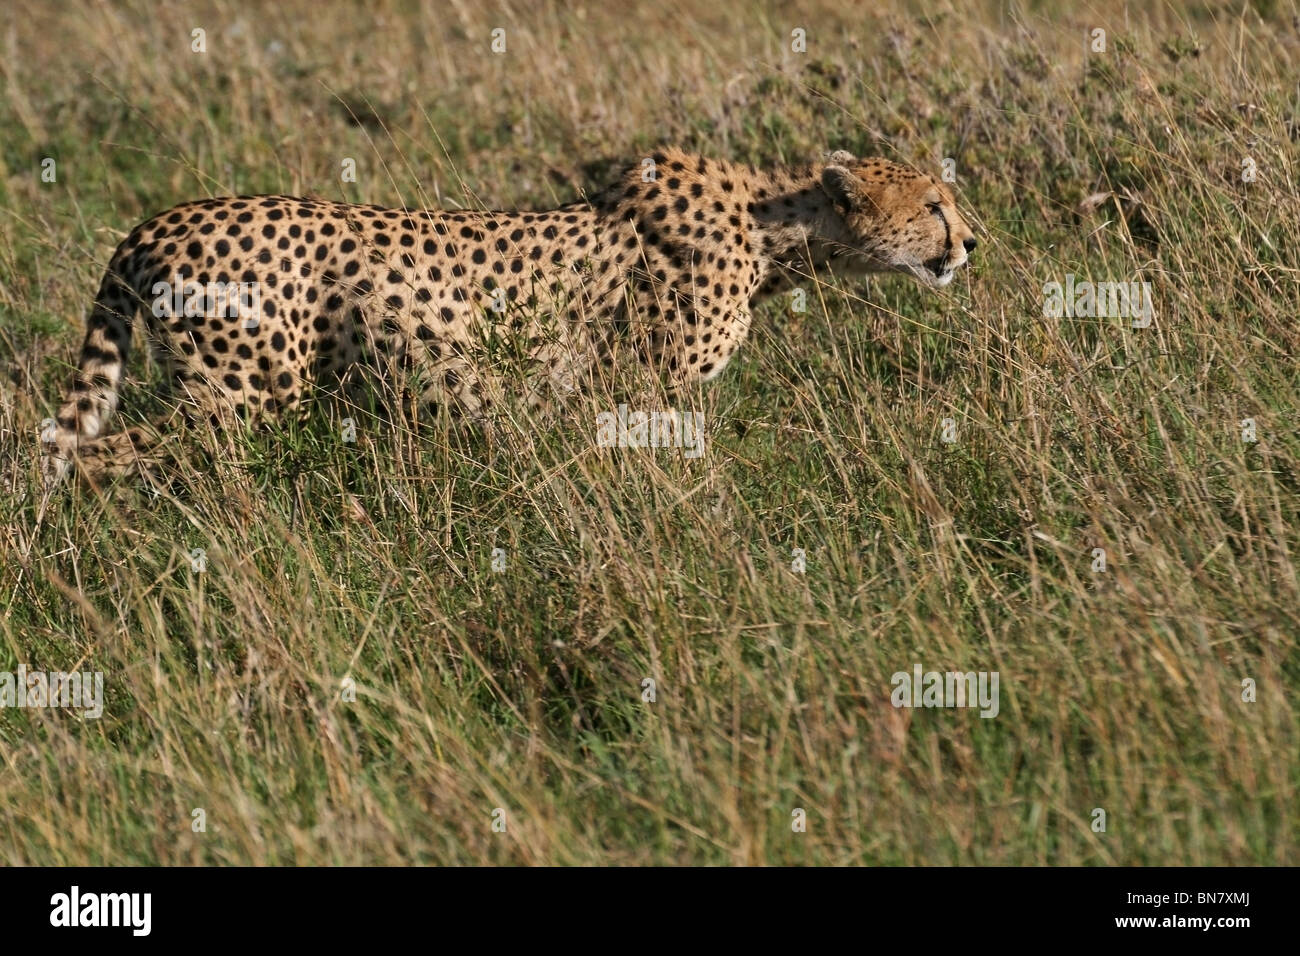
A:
(842, 157)
(843, 188)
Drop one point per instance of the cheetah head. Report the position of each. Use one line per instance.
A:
(892, 218)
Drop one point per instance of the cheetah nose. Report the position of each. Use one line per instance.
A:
(969, 244)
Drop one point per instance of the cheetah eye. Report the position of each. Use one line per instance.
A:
(935, 209)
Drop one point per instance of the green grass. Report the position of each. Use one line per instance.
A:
(522, 690)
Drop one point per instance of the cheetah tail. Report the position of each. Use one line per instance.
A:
(92, 397)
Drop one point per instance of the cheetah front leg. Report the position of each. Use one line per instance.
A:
(690, 341)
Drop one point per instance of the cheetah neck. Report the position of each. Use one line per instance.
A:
(793, 220)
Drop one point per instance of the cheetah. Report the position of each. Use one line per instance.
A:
(670, 259)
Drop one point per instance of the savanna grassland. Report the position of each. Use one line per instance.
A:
(330, 565)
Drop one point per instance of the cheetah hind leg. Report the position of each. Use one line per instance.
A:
(138, 451)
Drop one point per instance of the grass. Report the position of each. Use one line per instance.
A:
(371, 561)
